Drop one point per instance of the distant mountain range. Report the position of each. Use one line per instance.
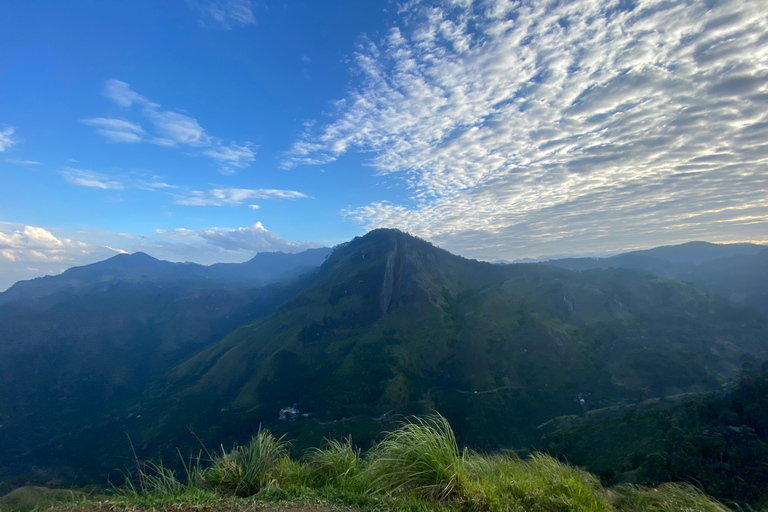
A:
(263, 268)
(736, 272)
(387, 325)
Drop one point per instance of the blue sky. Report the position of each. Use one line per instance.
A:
(210, 130)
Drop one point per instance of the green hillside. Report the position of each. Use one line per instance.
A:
(395, 326)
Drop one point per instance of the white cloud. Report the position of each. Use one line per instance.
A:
(6, 140)
(233, 196)
(93, 179)
(226, 14)
(244, 241)
(547, 126)
(116, 130)
(170, 129)
(30, 251)
(254, 206)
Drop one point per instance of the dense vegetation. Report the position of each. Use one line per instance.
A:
(717, 442)
(418, 467)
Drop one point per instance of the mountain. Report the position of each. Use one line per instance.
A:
(388, 325)
(699, 252)
(263, 268)
(88, 341)
(268, 267)
(735, 272)
(393, 325)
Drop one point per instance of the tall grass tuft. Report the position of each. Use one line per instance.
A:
(246, 469)
(422, 456)
(671, 497)
(337, 463)
(155, 479)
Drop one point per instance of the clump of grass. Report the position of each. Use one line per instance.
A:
(539, 483)
(246, 469)
(670, 497)
(337, 463)
(154, 479)
(421, 456)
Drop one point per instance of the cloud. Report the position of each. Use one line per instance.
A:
(24, 162)
(245, 241)
(6, 140)
(30, 251)
(226, 14)
(170, 129)
(254, 206)
(526, 128)
(233, 196)
(116, 130)
(92, 179)
(140, 180)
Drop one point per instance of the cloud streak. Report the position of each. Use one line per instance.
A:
(169, 129)
(90, 179)
(528, 128)
(233, 196)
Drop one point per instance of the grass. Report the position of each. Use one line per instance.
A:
(245, 470)
(34, 497)
(420, 456)
(416, 468)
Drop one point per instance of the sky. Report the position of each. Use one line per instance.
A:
(207, 131)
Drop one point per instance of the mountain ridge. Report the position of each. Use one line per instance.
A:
(390, 325)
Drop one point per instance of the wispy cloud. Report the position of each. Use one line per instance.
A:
(116, 130)
(227, 14)
(24, 162)
(169, 129)
(233, 196)
(92, 179)
(537, 127)
(6, 140)
(141, 180)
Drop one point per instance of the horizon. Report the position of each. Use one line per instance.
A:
(211, 130)
(5, 286)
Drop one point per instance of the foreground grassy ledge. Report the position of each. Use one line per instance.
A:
(418, 467)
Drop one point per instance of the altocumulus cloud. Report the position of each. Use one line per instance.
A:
(540, 127)
(169, 129)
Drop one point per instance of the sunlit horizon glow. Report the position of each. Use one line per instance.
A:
(494, 129)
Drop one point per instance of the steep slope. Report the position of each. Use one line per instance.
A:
(395, 326)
